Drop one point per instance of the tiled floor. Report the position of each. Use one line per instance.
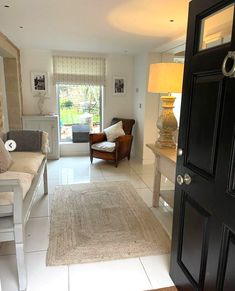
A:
(134, 274)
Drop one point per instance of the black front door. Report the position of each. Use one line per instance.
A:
(203, 240)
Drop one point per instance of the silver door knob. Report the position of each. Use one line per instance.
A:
(180, 180)
(180, 152)
(187, 179)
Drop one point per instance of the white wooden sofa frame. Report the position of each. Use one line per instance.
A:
(12, 228)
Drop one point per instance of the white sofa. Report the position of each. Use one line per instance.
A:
(18, 188)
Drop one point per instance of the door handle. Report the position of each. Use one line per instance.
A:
(229, 72)
(180, 180)
(186, 179)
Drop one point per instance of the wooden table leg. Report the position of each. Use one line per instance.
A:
(157, 184)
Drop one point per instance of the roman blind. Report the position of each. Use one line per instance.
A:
(79, 70)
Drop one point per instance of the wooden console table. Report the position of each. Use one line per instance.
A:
(165, 163)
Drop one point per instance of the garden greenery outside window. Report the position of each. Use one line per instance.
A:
(79, 104)
(80, 85)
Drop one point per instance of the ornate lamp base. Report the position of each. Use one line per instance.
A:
(167, 124)
(166, 140)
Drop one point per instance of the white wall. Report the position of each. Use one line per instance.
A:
(3, 96)
(37, 61)
(114, 106)
(152, 103)
(140, 82)
(146, 107)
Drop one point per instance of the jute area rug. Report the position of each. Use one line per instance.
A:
(102, 221)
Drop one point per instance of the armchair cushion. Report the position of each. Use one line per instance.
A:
(104, 146)
(27, 162)
(5, 158)
(6, 198)
(114, 131)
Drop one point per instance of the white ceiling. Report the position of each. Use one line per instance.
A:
(93, 25)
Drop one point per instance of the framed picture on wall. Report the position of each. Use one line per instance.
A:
(39, 82)
(119, 86)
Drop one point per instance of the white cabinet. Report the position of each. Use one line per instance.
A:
(46, 123)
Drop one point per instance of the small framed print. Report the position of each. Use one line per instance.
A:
(39, 82)
(119, 86)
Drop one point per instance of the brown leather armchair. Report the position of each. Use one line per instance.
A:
(122, 147)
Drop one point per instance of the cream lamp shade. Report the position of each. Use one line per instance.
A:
(165, 78)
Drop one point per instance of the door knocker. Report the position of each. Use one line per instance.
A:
(231, 72)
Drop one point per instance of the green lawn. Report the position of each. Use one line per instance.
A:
(71, 116)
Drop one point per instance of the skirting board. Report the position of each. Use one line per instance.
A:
(74, 149)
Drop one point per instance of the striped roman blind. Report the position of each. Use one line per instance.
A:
(79, 70)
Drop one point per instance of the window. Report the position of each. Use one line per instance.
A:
(80, 86)
(79, 104)
(216, 29)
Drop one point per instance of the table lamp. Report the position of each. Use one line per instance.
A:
(166, 78)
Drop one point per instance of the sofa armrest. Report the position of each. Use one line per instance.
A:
(13, 185)
(97, 137)
(27, 140)
(8, 184)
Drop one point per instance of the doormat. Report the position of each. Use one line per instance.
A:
(102, 221)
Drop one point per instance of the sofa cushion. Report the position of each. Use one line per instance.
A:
(5, 158)
(104, 146)
(114, 131)
(26, 140)
(6, 198)
(27, 162)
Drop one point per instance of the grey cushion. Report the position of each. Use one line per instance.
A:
(26, 140)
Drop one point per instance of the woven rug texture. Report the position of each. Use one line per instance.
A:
(102, 221)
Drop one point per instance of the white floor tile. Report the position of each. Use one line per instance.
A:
(74, 177)
(59, 173)
(146, 195)
(142, 168)
(42, 278)
(125, 275)
(40, 206)
(52, 183)
(147, 179)
(157, 269)
(132, 178)
(84, 171)
(36, 237)
(165, 217)
(112, 171)
(37, 231)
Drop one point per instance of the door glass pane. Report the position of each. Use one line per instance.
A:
(216, 29)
